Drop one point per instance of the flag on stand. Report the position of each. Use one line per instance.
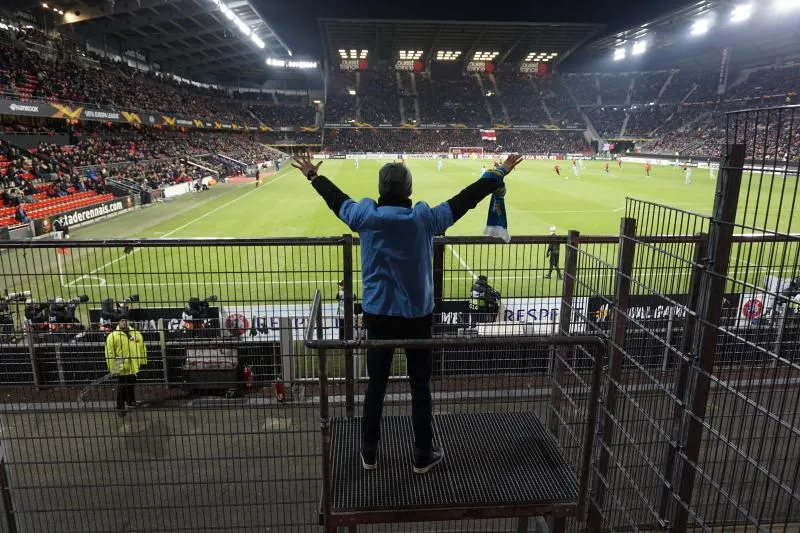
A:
(488, 135)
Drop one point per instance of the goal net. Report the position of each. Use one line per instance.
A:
(466, 152)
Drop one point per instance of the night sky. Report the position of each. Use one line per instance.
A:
(296, 20)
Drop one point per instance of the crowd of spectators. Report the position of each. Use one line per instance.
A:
(377, 97)
(563, 109)
(155, 174)
(643, 119)
(692, 86)
(24, 180)
(584, 87)
(451, 101)
(771, 81)
(78, 76)
(523, 101)
(608, 120)
(415, 140)
(284, 115)
(699, 130)
(647, 86)
(615, 89)
(132, 147)
(340, 104)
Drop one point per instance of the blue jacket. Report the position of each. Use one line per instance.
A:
(397, 242)
(396, 254)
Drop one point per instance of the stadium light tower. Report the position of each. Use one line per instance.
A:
(741, 13)
(620, 53)
(639, 47)
(701, 27)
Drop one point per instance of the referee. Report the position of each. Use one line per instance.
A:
(553, 251)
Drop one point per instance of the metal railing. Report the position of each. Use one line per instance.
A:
(595, 345)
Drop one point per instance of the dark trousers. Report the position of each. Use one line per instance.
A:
(379, 365)
(554, 266)
(125, 390)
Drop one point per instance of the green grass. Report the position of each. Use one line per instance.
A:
(288, 206)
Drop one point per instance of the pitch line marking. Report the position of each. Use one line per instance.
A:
(463, 263)
(172, 232)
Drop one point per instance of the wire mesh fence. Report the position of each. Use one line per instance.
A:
(697, 425)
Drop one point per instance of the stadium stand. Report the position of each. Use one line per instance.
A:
(615, 89)
(377, 97)
(439, 141)
(608, 120)
(522, 100)
(340, 104)
(451, 101)
(585, 88)
(648, 86)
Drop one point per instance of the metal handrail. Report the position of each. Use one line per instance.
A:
(598, 346)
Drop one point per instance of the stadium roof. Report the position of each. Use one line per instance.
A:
(192, 37)
(513, 41)
(762, 40)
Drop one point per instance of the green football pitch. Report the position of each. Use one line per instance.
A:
(287, 206)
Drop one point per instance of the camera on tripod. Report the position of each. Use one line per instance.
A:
(111, 311)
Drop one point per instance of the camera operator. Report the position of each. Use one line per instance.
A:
(485, 301)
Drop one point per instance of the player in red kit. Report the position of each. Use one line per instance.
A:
(647, 168)
(619, 162)
(606, 167)
(557, 168)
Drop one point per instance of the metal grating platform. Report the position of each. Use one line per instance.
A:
(507, 462)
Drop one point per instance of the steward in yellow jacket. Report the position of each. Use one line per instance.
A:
(125, 355)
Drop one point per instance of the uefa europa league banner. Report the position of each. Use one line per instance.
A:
(148, 118)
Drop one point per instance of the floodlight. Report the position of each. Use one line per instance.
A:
(353, 54)
(619, 54)
(227, 12)
(290, 52)
(639, 48)
(701, 27)
(257, 41)
(785, 5)
(44, 5)
(317, 102)
(363, 54)
(741, 13)
(242, 26)
(351, 92)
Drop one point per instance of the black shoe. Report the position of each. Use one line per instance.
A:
(369, 459)
(425, 461)
(135, 404)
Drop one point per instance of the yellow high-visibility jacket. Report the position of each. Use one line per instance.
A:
(126, 348)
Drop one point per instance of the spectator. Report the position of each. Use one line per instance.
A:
(398, 302)
(20, 215)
